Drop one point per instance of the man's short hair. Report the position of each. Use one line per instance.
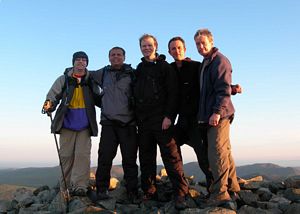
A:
(145, 36)
(204, 32)
(176, 38)
(117, 48)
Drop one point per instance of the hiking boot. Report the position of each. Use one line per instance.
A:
(79, 192)
(180, 203)
(103, 195)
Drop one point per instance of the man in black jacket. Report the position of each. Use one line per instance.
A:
(187, 129)
(155, 93)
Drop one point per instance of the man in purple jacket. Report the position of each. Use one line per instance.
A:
(215, 114)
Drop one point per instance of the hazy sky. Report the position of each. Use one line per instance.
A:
(261, 39)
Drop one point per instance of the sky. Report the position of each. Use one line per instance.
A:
(260, 38)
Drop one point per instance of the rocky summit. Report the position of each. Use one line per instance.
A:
(257, 195)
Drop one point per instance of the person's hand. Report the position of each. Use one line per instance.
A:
(47, 105)
(214, 119)
(238, 89)
(166, 123)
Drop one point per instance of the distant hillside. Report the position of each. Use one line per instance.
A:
(116, 171)
(267, 170)
(193, 169)
(35, 177)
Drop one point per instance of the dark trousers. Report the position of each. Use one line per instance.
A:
(150, 134)
(190, 133)
(111, 137)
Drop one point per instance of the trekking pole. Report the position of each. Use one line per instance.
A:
(66, 194)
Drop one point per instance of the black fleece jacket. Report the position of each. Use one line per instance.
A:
(155, 90)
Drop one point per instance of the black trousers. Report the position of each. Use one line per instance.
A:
(150, 134)
(111, 137)
(190, 133)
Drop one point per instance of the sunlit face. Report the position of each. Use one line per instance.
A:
(80, 64)
(116, 58)
(148, 48)
(177, 50)
(204, 46)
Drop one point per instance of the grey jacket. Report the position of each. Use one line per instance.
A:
(116, 88)
(62, 93)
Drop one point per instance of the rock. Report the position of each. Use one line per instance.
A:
(40, 189)
(114, 183)
(216, 210)
(191, 211)
(275, 211)
(128, 208)
(293, 182)
(201, 189)
(190, 180)
(276, 187)
(292, 194)
(5, 206)
(191, 203)
(251, 210)
(58, 204)
(293, 209)
(109, 204)
(150, 209)
(163, 172)
(92, 176)
(248, 197)
(120, 194)
(45, 196)
(26, 202)
(164, 190)
(267, 205)
(194, 193)
(282, 202)
(14, 204)
(254, 179)
(169, 207)
(76, 204)
(252, 185)
(35, 208)
(22, 194)
(256, 196)
(264, 194)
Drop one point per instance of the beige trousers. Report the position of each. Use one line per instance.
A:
(221, 161)
(75, 153)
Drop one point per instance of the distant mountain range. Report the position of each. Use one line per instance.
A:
(35, 177)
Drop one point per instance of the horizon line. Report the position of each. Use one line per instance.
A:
(293, 164)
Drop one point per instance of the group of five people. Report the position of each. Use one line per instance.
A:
(138, 111)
